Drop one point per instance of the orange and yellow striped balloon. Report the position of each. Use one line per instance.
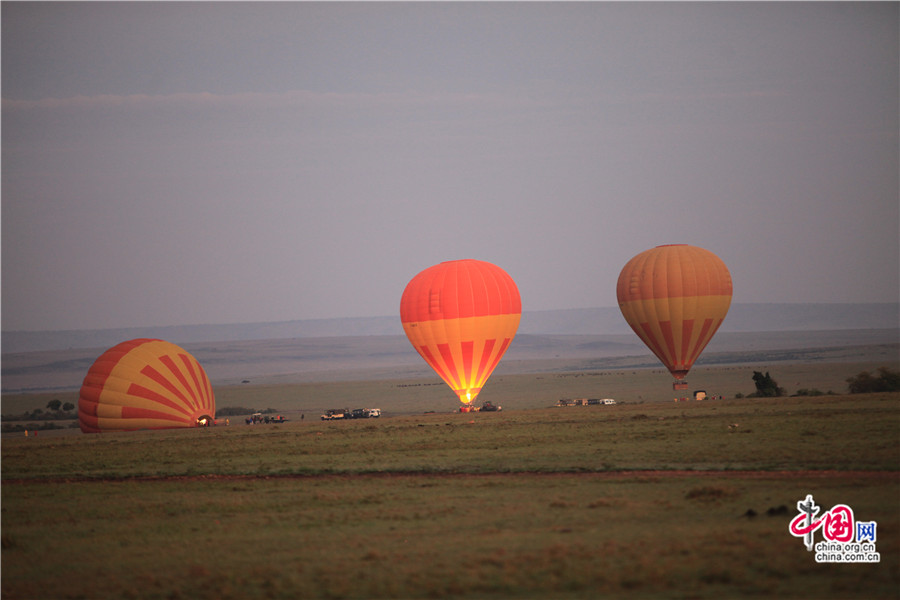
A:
(461, 316)
(145, 384)
(675, 297)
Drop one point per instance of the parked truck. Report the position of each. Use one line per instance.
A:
(365, 413)
(333, 414)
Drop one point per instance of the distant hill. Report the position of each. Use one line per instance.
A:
(583, 321)
(741, 318)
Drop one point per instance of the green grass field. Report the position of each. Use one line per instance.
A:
(643, 499)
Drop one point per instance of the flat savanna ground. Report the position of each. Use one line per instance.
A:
(543, 383)
(642, 499)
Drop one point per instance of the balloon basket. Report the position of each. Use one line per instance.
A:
(680, 385)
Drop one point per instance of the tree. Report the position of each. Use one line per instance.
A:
(766, 387)
(890, 380)
(54, 404)
(862, 383)
(865, 383)
(68, 406)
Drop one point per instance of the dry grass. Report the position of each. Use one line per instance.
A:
(562, 503)
(514, 536)
(771, 434)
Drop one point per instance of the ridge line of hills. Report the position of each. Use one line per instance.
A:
(742, 317)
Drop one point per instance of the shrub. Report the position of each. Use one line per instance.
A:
(887, 381)
(19, 427)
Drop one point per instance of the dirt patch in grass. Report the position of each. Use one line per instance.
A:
(609, 475)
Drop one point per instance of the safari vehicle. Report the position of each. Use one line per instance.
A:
(333, 414)
(365, 413)
(488, 407)
(258, 417)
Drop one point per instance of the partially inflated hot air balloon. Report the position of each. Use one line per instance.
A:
(461, 317)
(675, 297)
(145, 384)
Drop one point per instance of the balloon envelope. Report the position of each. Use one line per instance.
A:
(461, 316)
(675, 297)
(145, 384)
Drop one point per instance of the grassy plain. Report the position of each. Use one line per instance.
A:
(642, 499)
(540, 388)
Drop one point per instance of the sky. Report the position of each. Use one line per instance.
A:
(224, 162)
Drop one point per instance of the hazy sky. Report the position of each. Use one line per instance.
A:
(176, 163)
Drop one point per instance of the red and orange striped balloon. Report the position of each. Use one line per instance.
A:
(145, 384)
(461, 316)
(675, 297)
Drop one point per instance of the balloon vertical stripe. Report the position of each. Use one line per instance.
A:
(467, 349)
(204, 395)
(133, 412)
(449, 366)
(197, 377)
(686, 328)
(139, 391)
(500, 352)
(439, 365)
(702, 339)
(178, 374)
(165, 383)
(669, 338)
(485, 357)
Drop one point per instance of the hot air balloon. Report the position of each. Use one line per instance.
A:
(461, 316)
(675, 297)
(145, 384)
